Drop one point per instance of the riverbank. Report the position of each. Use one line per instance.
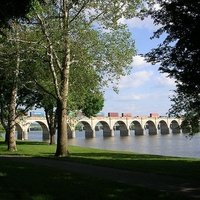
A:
(163, 177)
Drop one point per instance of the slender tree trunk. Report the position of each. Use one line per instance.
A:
(6, 135)
(12, 116)
(3, 123)
(52, 137)
(61, 149)
(53, 128)
(12, 107)
(51, 121)
(61, 76)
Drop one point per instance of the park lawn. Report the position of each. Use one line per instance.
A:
(24, 181)
(170, 166)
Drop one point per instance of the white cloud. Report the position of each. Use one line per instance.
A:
(131, 97)
(136, 79)
(147, 23)
(138, 61)
(166, 81)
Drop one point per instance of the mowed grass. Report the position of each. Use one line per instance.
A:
(24, 181)
(170, 166)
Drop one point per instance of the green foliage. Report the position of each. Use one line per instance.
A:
(69, 51)
(179, 53)
(93, 105)
(186, 106)
(10, 9)
(2, 130)
(100, 56)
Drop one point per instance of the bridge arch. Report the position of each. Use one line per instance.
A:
(163, 127)
(124, 131)
(107, 132)
(150, 127)
(140, 125)
(137, 127)
(186, 127)
(45, 130)
(19, 132)
(70, 132)
(89, 132)
(175, 127)
(23, 128)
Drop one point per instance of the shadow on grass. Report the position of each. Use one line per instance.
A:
(24, 181)
(18, 142)
(30, 143)
(173, 166)
(180, 167)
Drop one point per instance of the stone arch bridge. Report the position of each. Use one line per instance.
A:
(108, 125)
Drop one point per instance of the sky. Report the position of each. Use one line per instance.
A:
(145, 90)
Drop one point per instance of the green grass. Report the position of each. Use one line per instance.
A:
(173, 166)
(26, 148)
(25, 181)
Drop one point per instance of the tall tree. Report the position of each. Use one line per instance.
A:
(11, 63)
(11, 9)
(179, 53)
(87, 34)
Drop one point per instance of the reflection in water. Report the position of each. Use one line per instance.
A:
(173, 145)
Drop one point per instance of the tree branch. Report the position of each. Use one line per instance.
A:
(50, 53)
(80, 10)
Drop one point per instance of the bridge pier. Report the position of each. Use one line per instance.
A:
(19, 135)
(71, 134)
(90, 134)
(125, 132)
(24, 135)
(46, 136)
(108, 133)
(139, 131)
(164, 131)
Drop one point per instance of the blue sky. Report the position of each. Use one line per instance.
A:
(145, 90)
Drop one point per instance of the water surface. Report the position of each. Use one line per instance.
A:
(170, 145)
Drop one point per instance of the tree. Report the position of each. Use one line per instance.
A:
(179, 53)
(85, 31)
(11, 9)
(84, 89)
(93, 104)
(12, 55)
(11, 84)
(187, 106)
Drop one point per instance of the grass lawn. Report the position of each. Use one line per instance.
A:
(24, 181)
(174, 166)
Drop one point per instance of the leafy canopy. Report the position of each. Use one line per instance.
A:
(179, 53)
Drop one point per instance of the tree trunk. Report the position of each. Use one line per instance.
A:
(51, 121)
(64, 87)
(52, 138)
(6, 135)
(13, 98)
(61, 149)
(52, 130)
(12, 116)
(3, 123)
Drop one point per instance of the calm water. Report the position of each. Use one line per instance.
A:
(172, 145)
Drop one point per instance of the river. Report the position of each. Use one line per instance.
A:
(170, 145)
